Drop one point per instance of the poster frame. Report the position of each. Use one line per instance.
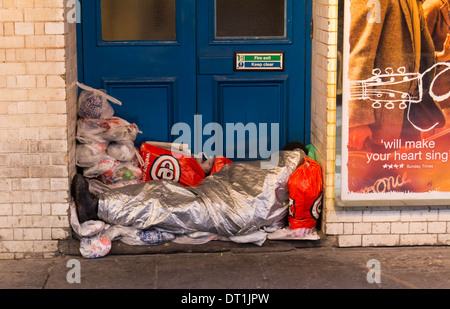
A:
(344, 196)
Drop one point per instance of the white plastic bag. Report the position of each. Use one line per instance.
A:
(122, 151)
(85, 229)
(88, 155)
(93, 103)
(121, 172)
(121, 130)
(105, 164)
(294, 234)
(257, 238)
(91, 131)
(96, 246)
(175, 147)
(106, 130)
(135, 237)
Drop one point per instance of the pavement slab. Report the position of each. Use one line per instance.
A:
(247, 268)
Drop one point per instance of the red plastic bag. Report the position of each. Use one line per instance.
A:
(305, 195)
(161, 164)
(219, 163)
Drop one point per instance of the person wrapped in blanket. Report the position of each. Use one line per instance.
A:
(239, 200)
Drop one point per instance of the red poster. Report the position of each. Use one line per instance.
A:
(396, 100)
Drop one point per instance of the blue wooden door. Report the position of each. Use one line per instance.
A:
(240, 64)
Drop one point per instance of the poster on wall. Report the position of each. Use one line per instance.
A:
(396, 100)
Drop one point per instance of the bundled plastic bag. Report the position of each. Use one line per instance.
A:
(106, 130)
(93, 103)
(105, 148)
(296, 234)
(159, 163)
(96, 246)
(135, 237)
(90, 131)
(105, 164)
(122, 172)
(305, 195)
(121, 130)
(181, 148)
(88, 155)
(122, 151)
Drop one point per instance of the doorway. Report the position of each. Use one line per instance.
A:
(229, 61)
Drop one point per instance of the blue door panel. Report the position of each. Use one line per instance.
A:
(149, 103)
(239, 100)
(215, 65)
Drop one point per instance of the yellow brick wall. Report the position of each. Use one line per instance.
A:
(323, 93)
(37, 125)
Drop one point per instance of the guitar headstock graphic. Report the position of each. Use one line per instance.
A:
(391, 89)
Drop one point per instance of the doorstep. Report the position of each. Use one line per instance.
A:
(72, 247)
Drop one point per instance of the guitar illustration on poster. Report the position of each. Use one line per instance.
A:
(380, 89)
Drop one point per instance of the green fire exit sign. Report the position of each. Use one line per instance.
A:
(259, 61)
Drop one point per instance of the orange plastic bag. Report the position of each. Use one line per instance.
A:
(305, 195)
(161, 164)
(219, 163)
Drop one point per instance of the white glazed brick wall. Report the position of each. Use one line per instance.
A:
(323, 92)
(37, 125)
(361, 226)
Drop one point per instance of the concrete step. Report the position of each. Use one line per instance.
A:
(72, 247)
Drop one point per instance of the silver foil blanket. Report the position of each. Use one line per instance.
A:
(241, 199)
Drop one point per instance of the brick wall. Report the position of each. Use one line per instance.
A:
(358, 226)
(37, 125)
(323, 92)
